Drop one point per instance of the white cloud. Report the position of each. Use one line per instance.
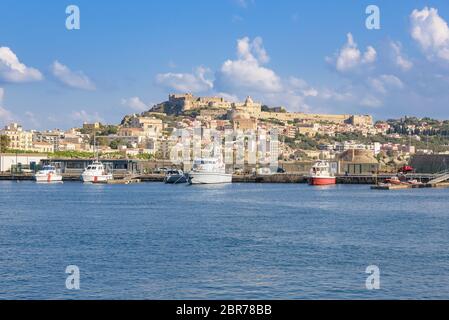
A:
(186, 82)
(244, 3)
(247, 75)
(399, 59)
(70, 78)
(431, 32)
(349, 57)
(371, 102)
(228, 97)
(135, 103)
(5, 115)
(85, 116)
(247, 72)
(12, 70)
(31, 118)
(384, 82)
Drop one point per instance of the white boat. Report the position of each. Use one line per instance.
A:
(209, 171)
(48, 174)
(321, 174)
(96, 173)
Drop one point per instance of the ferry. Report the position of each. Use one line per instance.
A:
(48, 174)
(209, 171)
(96, 173)
(321, 174)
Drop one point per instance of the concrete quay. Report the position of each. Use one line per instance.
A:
(275, 178)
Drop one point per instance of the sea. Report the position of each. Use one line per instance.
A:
(234, 241)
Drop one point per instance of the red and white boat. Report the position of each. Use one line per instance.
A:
(48, 174)
(321, 174)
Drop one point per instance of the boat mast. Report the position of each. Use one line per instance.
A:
(95, 146)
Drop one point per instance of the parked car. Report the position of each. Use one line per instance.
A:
(160, 170)
(406, 169)
(280, 170)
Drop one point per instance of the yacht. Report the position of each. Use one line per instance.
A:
(96, 172)
(175, 176)
(48, 174)
(209, 171)
(321, 174)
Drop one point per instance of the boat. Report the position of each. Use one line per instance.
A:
(209, 171)
(321, 175)
(48, 174)
(175, 176)
(96, 173)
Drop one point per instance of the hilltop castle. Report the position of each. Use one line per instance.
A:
(181, 103)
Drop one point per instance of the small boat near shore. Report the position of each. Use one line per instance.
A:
(175, 176)
(48, 174)
(321, 175)
(96, 173)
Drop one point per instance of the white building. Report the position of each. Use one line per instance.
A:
(7, 160)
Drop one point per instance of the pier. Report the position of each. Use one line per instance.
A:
(410, 186)
(373, 179)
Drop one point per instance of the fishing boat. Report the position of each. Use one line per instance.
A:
(175, 176)
(209, 171)
(320, 174)
(48, 174)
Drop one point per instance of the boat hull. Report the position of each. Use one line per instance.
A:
(209, 178)
(88, 178)
(48, 178)
(175, 179)
(322, 181)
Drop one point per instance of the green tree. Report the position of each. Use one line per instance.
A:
(4, 142)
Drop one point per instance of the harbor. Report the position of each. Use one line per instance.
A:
(238, 178)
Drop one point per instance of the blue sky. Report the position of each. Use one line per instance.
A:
(311, 56)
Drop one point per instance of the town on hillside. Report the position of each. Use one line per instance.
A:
(380, 146)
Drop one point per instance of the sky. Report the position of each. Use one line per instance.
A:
(309, 56)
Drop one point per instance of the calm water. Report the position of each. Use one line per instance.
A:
(246, 241)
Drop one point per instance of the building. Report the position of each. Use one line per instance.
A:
(430, 163)
(77, 166)
(244, 123)
(91, 126)
(357, 162)
(10, 161)
(52, 137)
(178, 103)
(249, 106)
(152, 127)
(19, 139)
(307, 129)
(43, 147)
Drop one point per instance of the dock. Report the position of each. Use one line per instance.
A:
(120, 181)
(369, 179)
(410, 186)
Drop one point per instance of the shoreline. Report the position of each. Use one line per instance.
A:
(275, 178)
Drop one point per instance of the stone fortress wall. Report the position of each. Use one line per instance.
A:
(187, 102)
